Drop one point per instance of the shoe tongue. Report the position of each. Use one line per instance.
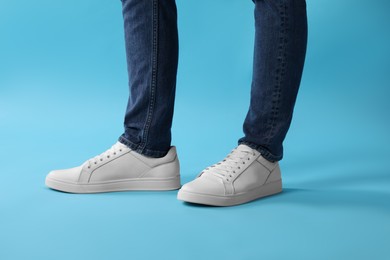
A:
(244, 147)
(119, 144)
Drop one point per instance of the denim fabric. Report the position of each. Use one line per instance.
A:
(151, 40)
(280, 48)
(152, 54)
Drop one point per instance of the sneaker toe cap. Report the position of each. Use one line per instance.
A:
(69, 175)
(205, 186)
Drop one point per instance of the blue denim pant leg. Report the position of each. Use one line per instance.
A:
(280, 49)
(152, 52)
(151, 41)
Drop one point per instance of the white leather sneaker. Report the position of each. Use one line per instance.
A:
(243, 175)
(119, 169)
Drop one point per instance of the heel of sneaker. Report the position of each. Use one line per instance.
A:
(168, 174)
(168, 169)
(275, 174)
(272, 187)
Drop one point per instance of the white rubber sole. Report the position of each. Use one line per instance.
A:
(124, 185)
(231, 200)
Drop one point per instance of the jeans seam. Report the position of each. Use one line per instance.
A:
(280, 70)
(153, 84)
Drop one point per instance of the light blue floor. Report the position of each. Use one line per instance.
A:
(63, 93)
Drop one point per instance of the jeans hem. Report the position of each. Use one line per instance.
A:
(264, 152)
(141, 149)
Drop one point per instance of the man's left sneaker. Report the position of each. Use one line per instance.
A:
(244, 175)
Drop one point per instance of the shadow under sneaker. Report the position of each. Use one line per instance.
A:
(244, 175)
(119, 169)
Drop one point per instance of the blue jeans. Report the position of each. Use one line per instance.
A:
(151, 39)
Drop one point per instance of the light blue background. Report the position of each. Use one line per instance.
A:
(63, 92)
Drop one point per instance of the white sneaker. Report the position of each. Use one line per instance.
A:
(243, 175)
(119, 169)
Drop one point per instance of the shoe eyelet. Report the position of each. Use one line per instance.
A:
(108, 156)
(89, 167)
(120, 150)
(101, 159)
(248, 159)
(95, 162)
(114, 153)
(239, 167)
(243, 162)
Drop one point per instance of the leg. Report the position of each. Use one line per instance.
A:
(152, 55)
(280, 48)
(251, 170)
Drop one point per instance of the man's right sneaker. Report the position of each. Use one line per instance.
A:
(119, 169)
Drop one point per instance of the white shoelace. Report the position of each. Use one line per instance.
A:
(116, 148)
(231, 165)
